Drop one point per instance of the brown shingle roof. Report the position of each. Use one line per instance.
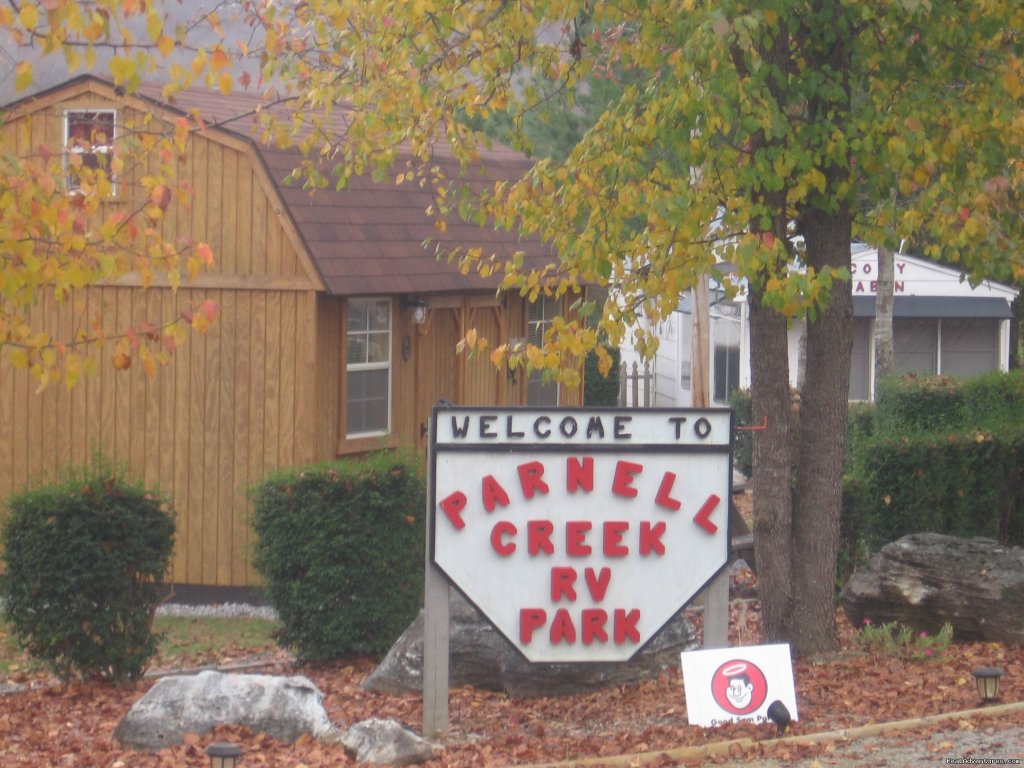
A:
(369, 238)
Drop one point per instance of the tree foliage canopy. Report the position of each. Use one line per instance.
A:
(724, 138)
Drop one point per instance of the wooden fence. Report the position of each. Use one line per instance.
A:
(636, 385)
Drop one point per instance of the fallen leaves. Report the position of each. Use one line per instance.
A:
(71, 725)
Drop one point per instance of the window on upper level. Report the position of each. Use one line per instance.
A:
(88, 142)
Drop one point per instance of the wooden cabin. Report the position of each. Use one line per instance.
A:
(337, 330)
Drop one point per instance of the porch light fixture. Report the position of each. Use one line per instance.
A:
(418, 306)
(223, 754)
(987, 679)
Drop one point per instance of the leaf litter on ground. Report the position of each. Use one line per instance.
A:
(70, 724)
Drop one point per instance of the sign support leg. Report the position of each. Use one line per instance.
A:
(435, 652)
(716, 611)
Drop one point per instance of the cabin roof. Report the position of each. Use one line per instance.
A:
(372, 238)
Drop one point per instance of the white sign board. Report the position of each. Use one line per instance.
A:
(732, 684)
(580, 533)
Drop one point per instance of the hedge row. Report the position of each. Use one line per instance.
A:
(935, 454)
(931, 454)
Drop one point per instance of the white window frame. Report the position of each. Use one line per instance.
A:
(70, 179)
(386, 364)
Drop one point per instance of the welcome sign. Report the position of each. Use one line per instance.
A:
(580, 533)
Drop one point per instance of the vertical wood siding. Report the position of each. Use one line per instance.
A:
(235, 403)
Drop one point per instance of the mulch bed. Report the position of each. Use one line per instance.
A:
(71, 724)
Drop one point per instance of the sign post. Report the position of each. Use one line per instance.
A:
(578, 533)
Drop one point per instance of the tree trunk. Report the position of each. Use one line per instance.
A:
(883, 313)
(769, 389)
(818, 494)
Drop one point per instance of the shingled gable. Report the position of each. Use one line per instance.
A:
(371, 238)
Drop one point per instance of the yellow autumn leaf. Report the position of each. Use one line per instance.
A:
(165, 45)
(22, 75)
(28, 16)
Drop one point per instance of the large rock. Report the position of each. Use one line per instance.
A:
(481, 656)
(386, 742)
(926, 579)
(282, 707)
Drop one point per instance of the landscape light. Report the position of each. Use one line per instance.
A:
(779, 714)
(987, 679)
(223, 754)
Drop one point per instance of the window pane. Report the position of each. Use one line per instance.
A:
(358, 315)
(377, 347)
(539, 393)
(368, 355)
(915, 343)
(368, 399)
(379, 315)
(727, 372)
(969, 346)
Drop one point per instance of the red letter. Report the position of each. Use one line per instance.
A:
(622, 484)
(504, 528)
(650, 538)
(625, 626)
(592, 628)
(579, 474)
(613, 531)
(562, 580)
(538, 537)
(576, 538)
(531, 479)
(664, 497)
(452, 506)
(493, 493)
(529, 620)
(562, 629)
(597, 585)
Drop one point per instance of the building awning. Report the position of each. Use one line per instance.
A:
(945, 307)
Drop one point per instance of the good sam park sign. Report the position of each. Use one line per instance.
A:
(579, 533)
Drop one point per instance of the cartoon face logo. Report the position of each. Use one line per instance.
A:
(739, 687)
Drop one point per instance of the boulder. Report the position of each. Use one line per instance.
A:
(387, 742)
(282, 707)
(927, 579)
(482, 657)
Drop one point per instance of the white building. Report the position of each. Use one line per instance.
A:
(940, 325)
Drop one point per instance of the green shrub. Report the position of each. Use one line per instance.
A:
(993, 400)
(918, 403)
(601, 390)
(942, 455)
(341, 550)
(85, 560)
(742, 439)
(896, 639)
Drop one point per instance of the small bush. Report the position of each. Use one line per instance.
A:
(341, 550)
(85, 559)
(896, 639)
(601, 391)
(742, 439)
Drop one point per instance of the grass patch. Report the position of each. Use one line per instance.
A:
(187, 642)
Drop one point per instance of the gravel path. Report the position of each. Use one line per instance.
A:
(220, 610)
